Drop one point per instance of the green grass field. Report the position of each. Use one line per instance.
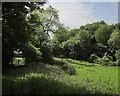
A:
(50, 79)
(94, 76)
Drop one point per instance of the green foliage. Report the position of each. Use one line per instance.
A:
(73, 32)
(46, 52)
(77, 46)
(70, 69)
(31, 84)
(93, 57)
(51, 19)
(16, 27)
(84, 37)
(96, 38)
(102, 49)
(102, 34)
(37, 26)
(29, 27)
(92, 27)
(114, 40)
(31, 34)
(68, 47)
(60, 36)
(31, 53)
(65, 66)
(117, 54)
(43, 23)
(105, 60)
(14, 34)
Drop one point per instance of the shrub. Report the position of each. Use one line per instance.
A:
(65, 67)
(93, 57)
(58, 62)
(117, 55)
(31, 53)
(102, 61)
(30, 84)
(114, 64)
(69, 69)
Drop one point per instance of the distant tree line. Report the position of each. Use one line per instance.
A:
(97, 42)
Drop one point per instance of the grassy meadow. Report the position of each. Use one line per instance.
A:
(64, 76)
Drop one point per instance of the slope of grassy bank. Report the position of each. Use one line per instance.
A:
(94, 76)
(53, 79)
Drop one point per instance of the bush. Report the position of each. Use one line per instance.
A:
(30, 84)
(69, 69)
(117, 55)
(31, 53)
(56, 62)
(65, 67)
(102, 61)
(115, 64)
(93, 57)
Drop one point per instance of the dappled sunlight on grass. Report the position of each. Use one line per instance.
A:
(17, 61)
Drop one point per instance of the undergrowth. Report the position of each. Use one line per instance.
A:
(56, 79)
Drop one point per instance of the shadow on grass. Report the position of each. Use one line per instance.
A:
(39, 84)
(21, 70)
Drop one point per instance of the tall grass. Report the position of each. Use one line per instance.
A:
(52, 79)
(94, 77)
(34, 83)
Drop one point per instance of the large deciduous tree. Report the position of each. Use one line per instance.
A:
(102, 34)
(114, 40)
(44, 23)
(15, 27)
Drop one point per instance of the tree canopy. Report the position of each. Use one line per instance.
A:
(97, 38)
(26, 26)
(38, 33)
